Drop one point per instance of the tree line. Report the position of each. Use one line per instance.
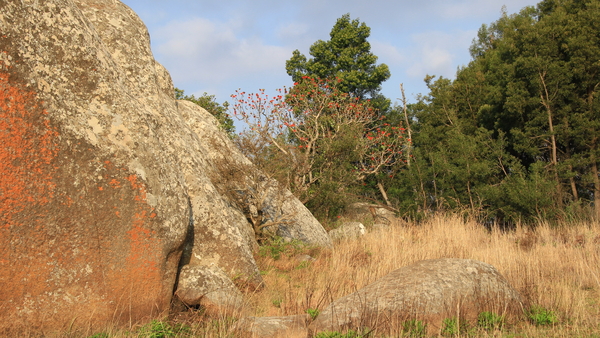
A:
(513, 138)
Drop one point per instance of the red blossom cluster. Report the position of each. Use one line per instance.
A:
(299, 120)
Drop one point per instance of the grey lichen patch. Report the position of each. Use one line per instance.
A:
(119, 134)
(95, 130)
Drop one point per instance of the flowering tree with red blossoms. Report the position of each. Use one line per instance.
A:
(317, 136)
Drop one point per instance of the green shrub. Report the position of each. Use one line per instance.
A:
(99, 335)
(540, 316)
(161, 329)
(277, 246)
(313, 313)
(414, 328)
(452, 327)
(349, 334)
(490, 321)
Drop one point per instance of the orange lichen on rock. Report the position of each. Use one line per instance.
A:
(65, 232)
(27, 149)
(144, 244)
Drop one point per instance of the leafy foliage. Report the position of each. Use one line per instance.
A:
(490, 321)
(540, 316)
(349, 334)
(313, 313)
(453, 327)
(99, 335)
(161, 329)
(318, 141)
(276, 246)
(346, 56)
(414, 328)
(515, 136)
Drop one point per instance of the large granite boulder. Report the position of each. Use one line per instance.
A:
(429, 290)
(260, 198)
(107, 189)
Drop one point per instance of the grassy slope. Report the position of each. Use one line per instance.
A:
(555, 268)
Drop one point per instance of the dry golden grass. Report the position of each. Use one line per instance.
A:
(557, 268)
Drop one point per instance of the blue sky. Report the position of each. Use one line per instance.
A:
(220, 46)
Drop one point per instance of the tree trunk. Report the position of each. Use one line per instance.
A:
(545, 97)
(574, 189)
(384, 194)
(596, 189)
(406, 120)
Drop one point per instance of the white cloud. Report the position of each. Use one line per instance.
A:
(473, 9)
(292, 31)
(437, 53)
(432, 60)
(387, 53)
(200, 50)
(219, 46)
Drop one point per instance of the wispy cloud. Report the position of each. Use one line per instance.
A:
(438, 53)
(206, 51)
(220, 46)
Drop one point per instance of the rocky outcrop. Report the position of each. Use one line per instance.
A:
(348, 230)
(107, 186)
(259, 197)
(429, 290)
(380, 214)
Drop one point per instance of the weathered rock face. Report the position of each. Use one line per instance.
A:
(232, 171)
(209, 286)
(378, 213)
(429, 290)
(105, 189)
(348, 230)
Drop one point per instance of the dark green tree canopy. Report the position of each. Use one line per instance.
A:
(347, 55)
(516, 135)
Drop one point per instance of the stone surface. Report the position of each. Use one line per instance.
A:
(209, 286)
(378, 213)
(348, 230)
(304, 258)
(232, 171)
(106, 188)
(272, 327)
(379, 226)
(429, 290)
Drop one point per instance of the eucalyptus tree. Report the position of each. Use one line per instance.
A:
(543, 73)
(347, 56)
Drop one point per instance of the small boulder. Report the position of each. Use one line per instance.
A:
(379, 226)
(429, 290)
(347, 230)
(379, 213)
(207, 286)
(272, 327)
(305, 258)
